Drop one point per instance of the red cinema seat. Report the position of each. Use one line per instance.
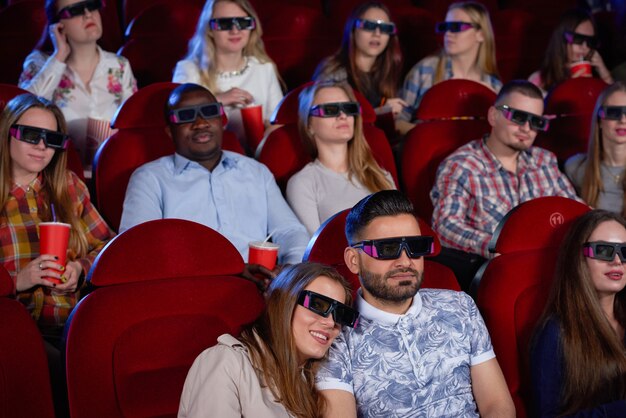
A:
(572, 102)
(141, 138)
(456, 99)
(164, 18)
(153, 65)
(512, 288)
(415, 23)
(440, 7)
(164, 291)
(24, 379)
(282, 151)
(329, 241)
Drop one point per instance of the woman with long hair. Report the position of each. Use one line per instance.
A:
(469, 53)
(369, 57)
(269, 371)
(573, 40)
(599, 176)
(35, 187)
(69, 68)
(227, 56)
(578, 356)
(343, 170)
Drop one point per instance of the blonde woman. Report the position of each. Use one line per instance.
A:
(600, 175)
(226, 55)
(344, 170)
(269, 371)
(469, 53)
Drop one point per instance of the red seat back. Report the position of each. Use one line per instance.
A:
(415, 23)
(24, 380)
(131, 342)
(456, 99)
(153, 65)
(426, 146)
(329, 242)
(174, 19)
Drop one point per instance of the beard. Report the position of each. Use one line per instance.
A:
(377, 284)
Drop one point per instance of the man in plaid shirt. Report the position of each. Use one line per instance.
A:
(482, 181)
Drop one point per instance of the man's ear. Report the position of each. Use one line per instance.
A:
(350, 257)
(168, 131)
(492, 113)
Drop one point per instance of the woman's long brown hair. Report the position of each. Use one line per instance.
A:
(272, 347)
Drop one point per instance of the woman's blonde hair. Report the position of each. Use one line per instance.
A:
(54, 175)
(486, 57)
(201, 48)
(361, 162)
(592, 183)
(271, 343)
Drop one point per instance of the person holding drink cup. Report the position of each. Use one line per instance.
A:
(572, 52)
(36, 187)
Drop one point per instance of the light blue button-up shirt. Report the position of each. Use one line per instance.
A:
(239, 199)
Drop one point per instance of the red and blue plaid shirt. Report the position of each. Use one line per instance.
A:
(473, 192)
(19, 244)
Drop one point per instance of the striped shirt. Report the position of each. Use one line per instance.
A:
(19, 244)
(422, 77)
(473, 192)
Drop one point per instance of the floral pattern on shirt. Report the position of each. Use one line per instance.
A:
(62, 92)
(114, 84)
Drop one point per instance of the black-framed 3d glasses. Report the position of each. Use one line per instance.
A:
(454, 27)
(331, 110)
(602, 250)
(388, 28)
(324, 306)
(228, 23)
(612, 112)
(78, 9)
(578, 39)
(32, 135)
(520, 117)
(191, 113)
(391, 248)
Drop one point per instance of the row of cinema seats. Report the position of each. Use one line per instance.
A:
(297, 34)
(452, 113)
(166, 289)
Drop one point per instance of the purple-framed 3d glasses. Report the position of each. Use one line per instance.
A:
(388, 28)
(32, 135)
(191, 113)
(520, 117)
(324, 306)
(227, 23)
(78, 9)
(391, 248)
(612, 112)
(454, 27)
(602, 250)
(331, 110)
(578, 39)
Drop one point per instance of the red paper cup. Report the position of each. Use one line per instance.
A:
(252, 118)
(53, 240)
(580, 69)
(263, 253)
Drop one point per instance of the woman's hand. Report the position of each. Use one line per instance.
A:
(33, 274)
(71, 274)
(396, 104)
(62, 48)
(598, 64)
(235, 97)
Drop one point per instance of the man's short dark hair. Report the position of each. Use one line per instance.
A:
(383, 203)
(523, 87)
(174, 98)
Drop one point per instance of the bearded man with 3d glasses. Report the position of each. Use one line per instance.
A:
(478, 184)
(226, 191)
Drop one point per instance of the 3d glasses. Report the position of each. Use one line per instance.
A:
(612, 112)
(519, 117)
(454, 27)
(228, 23)
(331, 110)
(32, 135)
(578, 39)
(391, 248)
(388, 28)
(324, 306)
(601, 250)
(78, 9)
(191, 113)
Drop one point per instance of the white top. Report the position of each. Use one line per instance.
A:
(316, 193)
(259, 80)
(112, 83)
(223, 383)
